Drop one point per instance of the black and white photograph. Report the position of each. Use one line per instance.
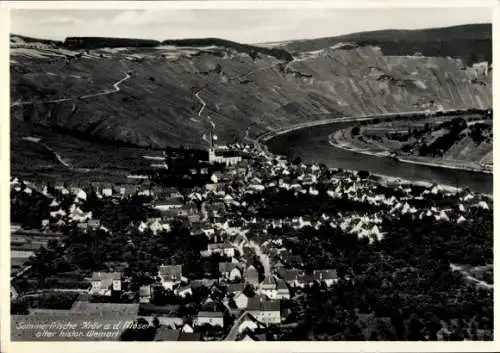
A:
(251, 173)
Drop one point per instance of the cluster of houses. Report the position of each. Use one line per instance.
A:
(215, 210)
(251, 312)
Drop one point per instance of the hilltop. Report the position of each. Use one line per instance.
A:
(19, 39)
(471, 43)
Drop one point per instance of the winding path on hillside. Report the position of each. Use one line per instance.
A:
(56, 155)
(49, 149)
(204, 104)
(115, 89)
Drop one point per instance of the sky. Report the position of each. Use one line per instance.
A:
(242, 25)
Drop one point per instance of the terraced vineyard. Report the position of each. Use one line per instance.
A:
(245, 89)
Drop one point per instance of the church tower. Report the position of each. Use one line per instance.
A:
(211, 148)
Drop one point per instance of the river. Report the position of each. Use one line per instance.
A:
(311, 145)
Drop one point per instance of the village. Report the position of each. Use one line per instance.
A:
(251, 281)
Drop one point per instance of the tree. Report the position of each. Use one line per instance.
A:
(19, 307)
(140, 330)
(363, 174)
(156, 322)
(398, 323)
(415, 327)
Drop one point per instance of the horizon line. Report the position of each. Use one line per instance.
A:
(257, 43)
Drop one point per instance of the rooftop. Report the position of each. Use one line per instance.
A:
(228, 266)
(220, 246)
(261, 304)
(290, 274)
(170, 271)
(325, 274)
(170, 201)
(100, 276)
(166, 334)
(235, 287)
(215, 314)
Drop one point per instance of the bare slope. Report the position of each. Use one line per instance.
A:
(159, 105)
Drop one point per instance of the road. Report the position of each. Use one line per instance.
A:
(115, 89)
(263, 258)
(49, 149)
(258, 145)
(203, 104)
(20, 273)
(427, 169)
(238, 78)
(312, 144)
(271, 134)
(58, 156)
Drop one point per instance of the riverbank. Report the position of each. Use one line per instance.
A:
(336, 139)
(458, 165)
(311, 143)
(387, 179)
(382, 178)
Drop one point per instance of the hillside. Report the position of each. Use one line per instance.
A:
(252, 50)
(162, 95)
(456, 140)
(463, 142)
(471, 43)
(18, 39)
